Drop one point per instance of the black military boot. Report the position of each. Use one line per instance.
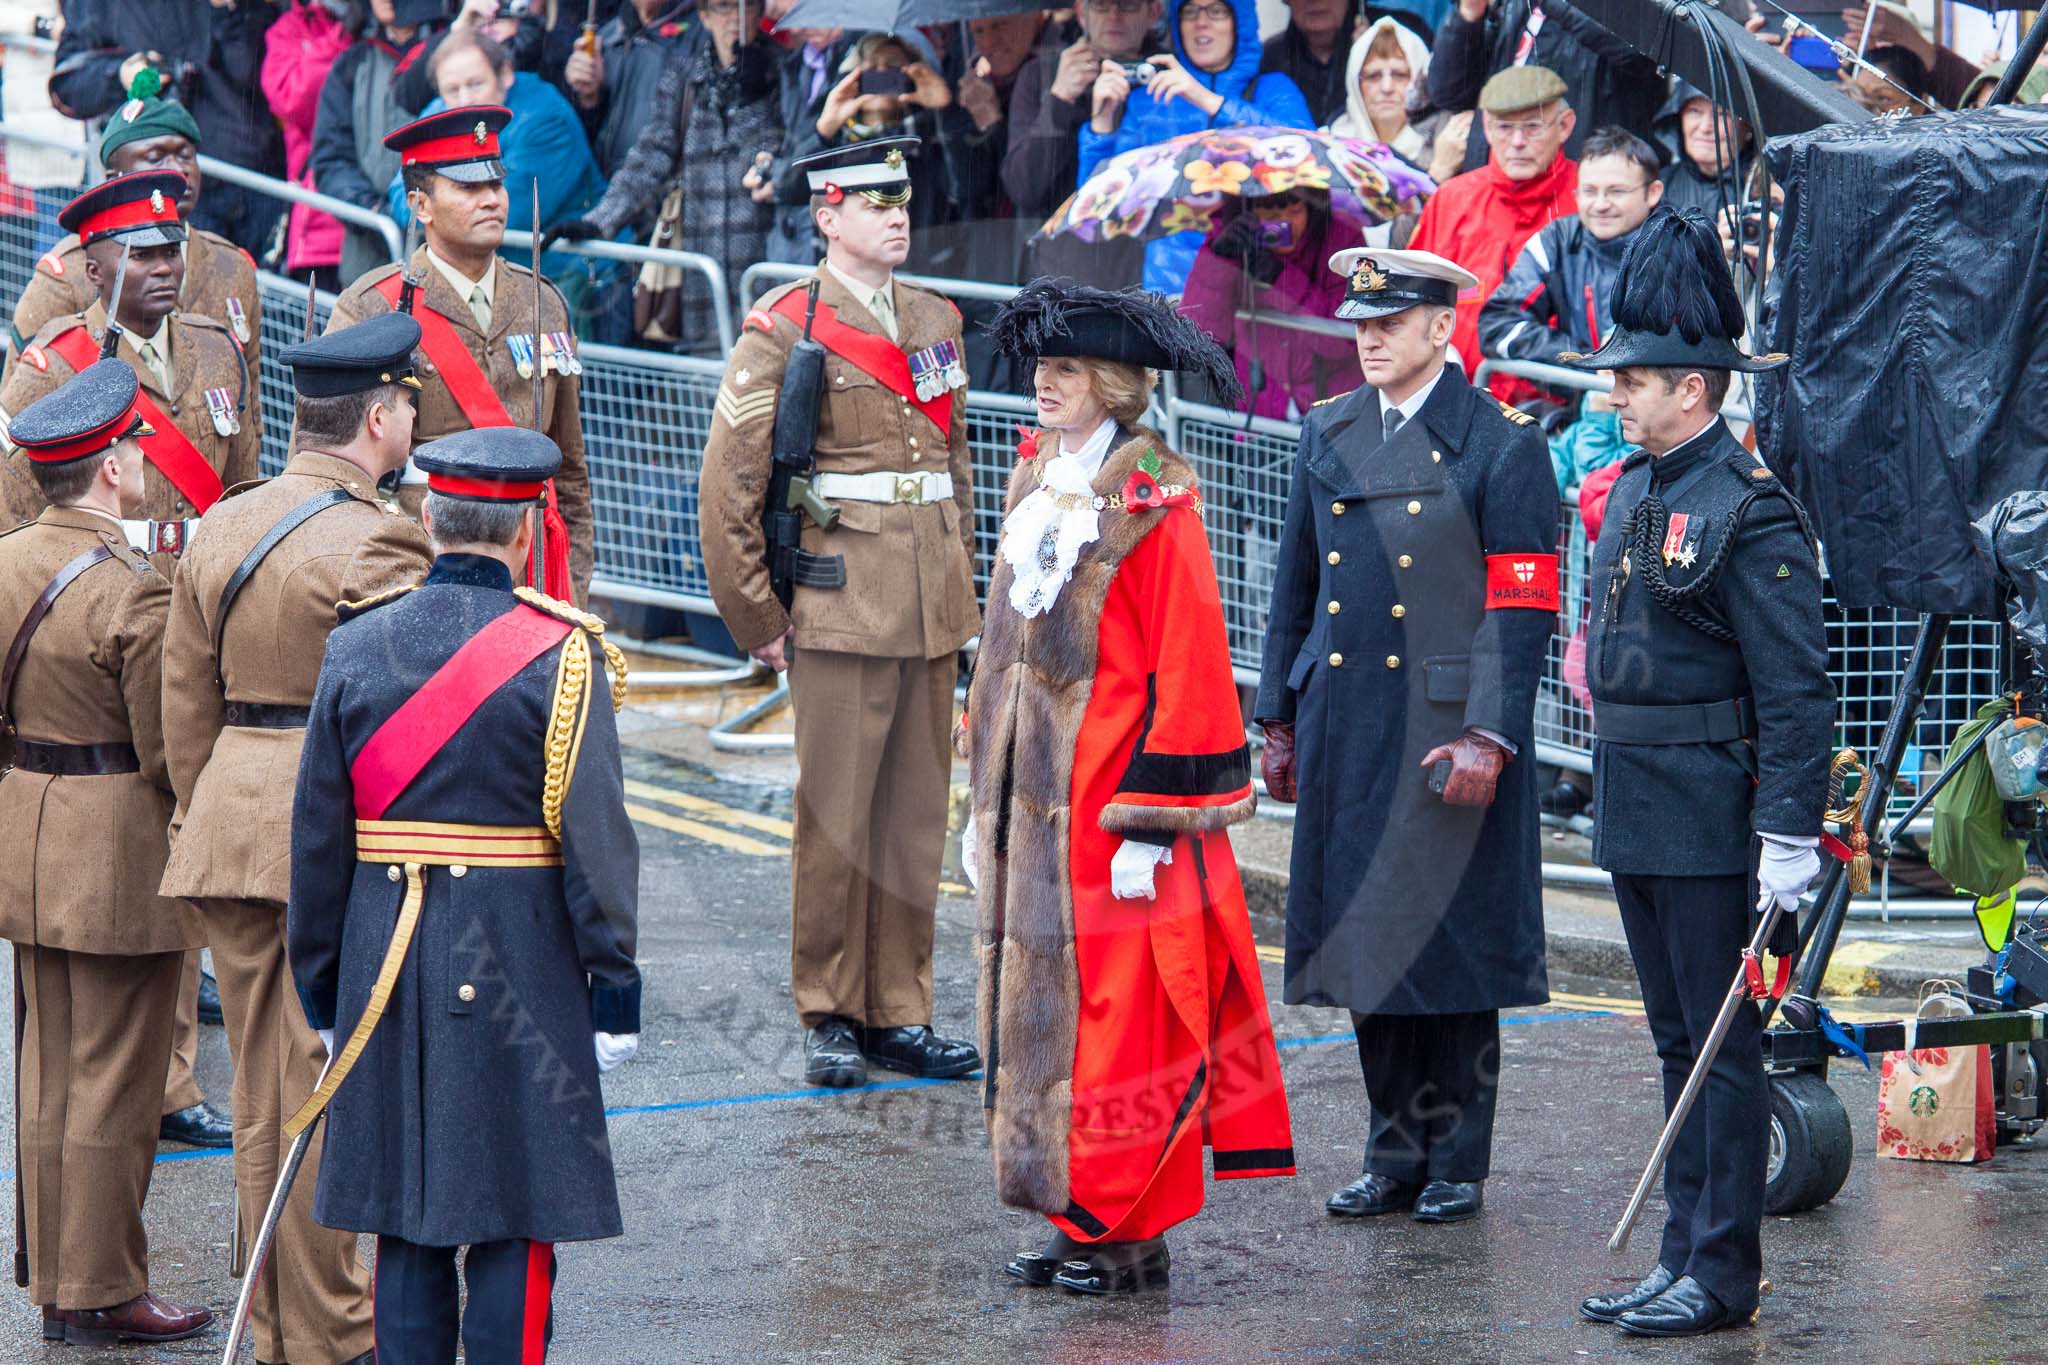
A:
(832, 1055)
(917, 1051)
(1608, 1307)
(1371, 1195)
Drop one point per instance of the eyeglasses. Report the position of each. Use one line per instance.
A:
(1213, 13)
(1119, 6)
(1518, 130)
(1597, 194)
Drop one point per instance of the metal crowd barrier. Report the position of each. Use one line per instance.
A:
(633, 254)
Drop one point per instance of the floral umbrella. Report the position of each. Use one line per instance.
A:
(1179, 184)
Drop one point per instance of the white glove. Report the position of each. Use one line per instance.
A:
(326, 1039)
(614, 1048)
(1788, 868)
(1130, 870)
(969, 853)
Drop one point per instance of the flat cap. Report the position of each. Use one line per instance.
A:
(365, 355)
(489, 464)
(1519, 88)
(139, 209)
(1382, 283)
(460, 143)
(83, 417)
(147, 113)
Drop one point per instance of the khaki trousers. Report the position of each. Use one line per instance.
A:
(313, 1304)
(873, 751)
(96, 1037)
(181, 1088)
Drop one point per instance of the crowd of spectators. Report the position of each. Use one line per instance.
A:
(1543, 138)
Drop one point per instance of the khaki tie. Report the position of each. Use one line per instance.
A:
(480, 304)
(152, 358)
(884, 308)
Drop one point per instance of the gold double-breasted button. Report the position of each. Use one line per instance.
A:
(1335, 558)
(1399, 611)
(1406, 561)
(459, 870)
(1335, 608)
(1336, 661)
(1336, 509)
(1393, 661)
(465, 992)
(1414, 509)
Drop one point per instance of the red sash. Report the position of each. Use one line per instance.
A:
(170, 449)
(416, 731)
(479, 402)
(873, 353)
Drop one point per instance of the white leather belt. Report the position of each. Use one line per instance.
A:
(159, 537)
(884, 486)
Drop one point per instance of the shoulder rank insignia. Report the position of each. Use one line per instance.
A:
(348, 611)
(556, 607)
(1325, 402)
(1515, 414)
(1760, 473)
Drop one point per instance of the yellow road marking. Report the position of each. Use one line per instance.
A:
(709, 809)
(1849, 969)
(710, 834)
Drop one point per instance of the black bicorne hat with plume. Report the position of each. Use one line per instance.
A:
(1675, 302)
(1050, 317)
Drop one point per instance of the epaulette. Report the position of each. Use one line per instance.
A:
(556, 607)
(1753, 470)
(1515, 414)
(126, 553)
(1325, 402)
(237, 489)
(763, 314)
(349, 611)
(573, 648)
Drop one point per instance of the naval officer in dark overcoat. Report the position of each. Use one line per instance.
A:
(1713, 711)
(1413, 603)
(460, 820)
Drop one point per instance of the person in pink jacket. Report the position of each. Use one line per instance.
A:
(298, 50)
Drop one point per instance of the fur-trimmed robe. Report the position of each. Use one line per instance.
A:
(1120, 1036)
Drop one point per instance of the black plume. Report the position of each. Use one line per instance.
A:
(1673, 277)
(1128, 324)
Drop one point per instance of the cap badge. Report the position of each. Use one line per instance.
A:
(482, 132)
(894, 160)
(131, 111)
(156, 201)
(1367, 278)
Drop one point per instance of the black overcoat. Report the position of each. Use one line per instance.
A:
(1747, 639)
(474, 1114)
(1381, 647)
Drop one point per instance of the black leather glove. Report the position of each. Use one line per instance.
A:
(569, 230)
(1276, 760)
(1238, 239)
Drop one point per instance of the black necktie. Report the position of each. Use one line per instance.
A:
(1393, 418)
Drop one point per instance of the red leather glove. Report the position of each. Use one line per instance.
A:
(1476, 762)
(1276, 760)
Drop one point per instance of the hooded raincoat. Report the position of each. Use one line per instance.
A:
(1412, 144)
(1248, 99)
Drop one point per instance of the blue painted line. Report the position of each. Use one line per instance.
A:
(876, 1087)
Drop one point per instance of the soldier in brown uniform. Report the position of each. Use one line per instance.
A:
(476, 313)
(199, 399)
(150, 133)
(84, 802)
(252, 604)
(872, 663)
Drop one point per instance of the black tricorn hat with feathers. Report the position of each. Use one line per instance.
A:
(1675, 302)
(1049, 317)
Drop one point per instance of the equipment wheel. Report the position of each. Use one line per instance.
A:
(1810, 1144)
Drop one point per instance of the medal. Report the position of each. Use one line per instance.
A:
(239, 318)
(521, 346)
(544, 352)
(1676, 551)
(565, 354)
(220, 404)
(956, 367)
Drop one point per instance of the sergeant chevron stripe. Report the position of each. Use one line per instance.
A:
(739, 410)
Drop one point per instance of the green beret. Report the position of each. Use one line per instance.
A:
(146, 113)
(1519, 88)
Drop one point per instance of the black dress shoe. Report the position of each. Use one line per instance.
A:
(209, 1000)
(1036, 1268)
(1117, 1268)
(917, 1051)
(202, 1125)
(1686, 1309)
(1450, 1201)
(1608, 1307)
(832, 1056)
(1370, 1195)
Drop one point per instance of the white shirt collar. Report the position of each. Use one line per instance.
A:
(1414, 402)
(1093, 451)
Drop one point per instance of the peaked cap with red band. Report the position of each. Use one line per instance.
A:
(489, 464)
(86, 416)
(460, 143)
(139, 209)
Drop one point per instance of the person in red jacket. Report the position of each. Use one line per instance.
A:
(1123, 1016)
(1481, 219)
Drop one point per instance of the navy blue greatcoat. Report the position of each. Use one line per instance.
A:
(475, 1113)
(1380, 647)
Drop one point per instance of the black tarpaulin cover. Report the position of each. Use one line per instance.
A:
(2013, 536)
(1912, 295)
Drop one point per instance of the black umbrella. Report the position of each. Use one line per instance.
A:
(897, 16)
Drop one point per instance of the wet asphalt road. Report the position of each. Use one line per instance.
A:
(767, 1222)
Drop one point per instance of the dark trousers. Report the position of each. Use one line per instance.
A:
(1432, 1080)
(1687, 935)
(510, 1317)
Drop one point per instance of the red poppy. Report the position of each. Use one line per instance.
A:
(1143, 493)
(1027, 443)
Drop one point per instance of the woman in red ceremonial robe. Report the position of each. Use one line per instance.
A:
(1122, 1015)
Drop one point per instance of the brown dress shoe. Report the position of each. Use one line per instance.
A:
(143, 1318)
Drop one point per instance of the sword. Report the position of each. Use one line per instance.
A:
(1737, 998)
(405, 271)
(310, 291)
(536, 569)
(266, 1232)
(111, 342)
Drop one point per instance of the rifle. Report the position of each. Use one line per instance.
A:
(111, 342)
(538, 559)
(795, 460)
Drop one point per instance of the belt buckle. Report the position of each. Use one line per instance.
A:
(910, 488)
